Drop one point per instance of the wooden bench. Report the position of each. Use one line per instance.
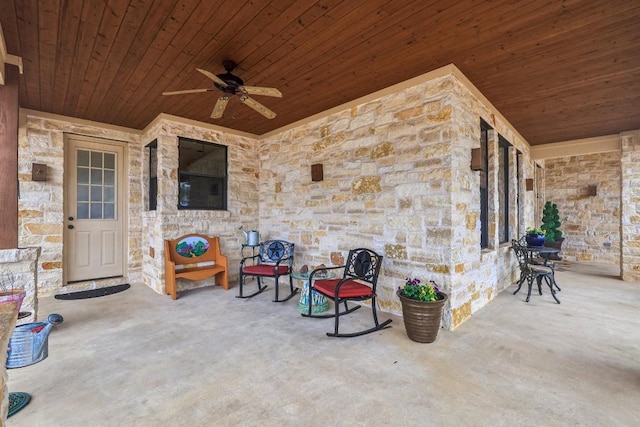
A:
(194, 257)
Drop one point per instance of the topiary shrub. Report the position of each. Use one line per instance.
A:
(551, 222)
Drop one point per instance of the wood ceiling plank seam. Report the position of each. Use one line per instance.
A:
(529, 43)
(48, 41)
(27, 15)
(135, 14)
(268, 33)
(301, 30)
(137, 60)
(321, 43)
(173, 22)
(110, 24)
(87, 35)
(335, 65)
(141, 91)
(594, 68)
(68, 24)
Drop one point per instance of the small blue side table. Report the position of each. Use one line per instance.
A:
(318, 301)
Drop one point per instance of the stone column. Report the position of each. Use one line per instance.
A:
(22, 265)
(630, 206)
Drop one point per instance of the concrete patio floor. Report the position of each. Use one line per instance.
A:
(209, 359)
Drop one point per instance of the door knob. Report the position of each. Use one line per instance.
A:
(70, 227)
(70, 218)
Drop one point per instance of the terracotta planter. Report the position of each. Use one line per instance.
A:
(422, 318)
(12, 296)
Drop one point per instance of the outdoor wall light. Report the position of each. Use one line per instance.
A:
(477, 159)
(528, 184)
(316, 172)
(38, 172)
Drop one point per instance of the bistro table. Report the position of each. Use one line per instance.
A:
(543, 252)
(318, 301)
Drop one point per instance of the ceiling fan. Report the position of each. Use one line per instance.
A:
(231, 85)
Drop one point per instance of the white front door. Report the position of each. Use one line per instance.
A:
(94, 209)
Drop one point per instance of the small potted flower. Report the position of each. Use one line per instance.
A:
(535, 236)
(421, 309)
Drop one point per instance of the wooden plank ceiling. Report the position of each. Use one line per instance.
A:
(557, 70)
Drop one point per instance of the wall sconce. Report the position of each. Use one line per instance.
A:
(38, 172)
(528, 184)
(316, 172)
(477, 159)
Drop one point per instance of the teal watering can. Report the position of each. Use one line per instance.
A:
(29, 342)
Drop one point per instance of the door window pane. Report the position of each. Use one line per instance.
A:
(109, 161)
(96, 159)
(109, 211)
(83, 176)
(109, 194)
(96, 176)
(96, 210)
(83, 158)
(109, 178)
(95, 201)
(83, 211)
(83, 193)
(96, 193)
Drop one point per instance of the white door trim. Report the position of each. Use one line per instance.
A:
(123, 197)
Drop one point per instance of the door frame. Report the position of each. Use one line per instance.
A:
(125, 201)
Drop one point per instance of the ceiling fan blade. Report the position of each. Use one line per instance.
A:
(180, 92)
(218, 109)
(257, 106)
(264, 91)
(213, 77)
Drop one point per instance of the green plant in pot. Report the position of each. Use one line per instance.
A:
(535, 236)
(421, 309)
(551, 225)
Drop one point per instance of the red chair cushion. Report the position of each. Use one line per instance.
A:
(349, 289)
(266, 270)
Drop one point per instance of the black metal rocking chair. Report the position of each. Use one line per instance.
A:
(274, 259)
(357, 284)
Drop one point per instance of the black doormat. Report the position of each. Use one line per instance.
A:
(94, 293)
(17, 401)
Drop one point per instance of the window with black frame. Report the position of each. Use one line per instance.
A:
(484, 185)
(202, 173)
(503, 189)
(152, 155)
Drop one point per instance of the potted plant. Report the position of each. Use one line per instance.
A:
(421, 309)
(551, 225)
(535, 236)
(8, 292)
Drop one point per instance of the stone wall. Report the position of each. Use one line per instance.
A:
(397, 180)
(168, 222)
(630, 206)
(21, 267)
(590, 223)
(41, 139)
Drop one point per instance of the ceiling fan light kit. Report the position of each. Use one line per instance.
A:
(231, 85)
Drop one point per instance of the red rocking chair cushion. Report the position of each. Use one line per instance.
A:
(266, 270)
(349, 289)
